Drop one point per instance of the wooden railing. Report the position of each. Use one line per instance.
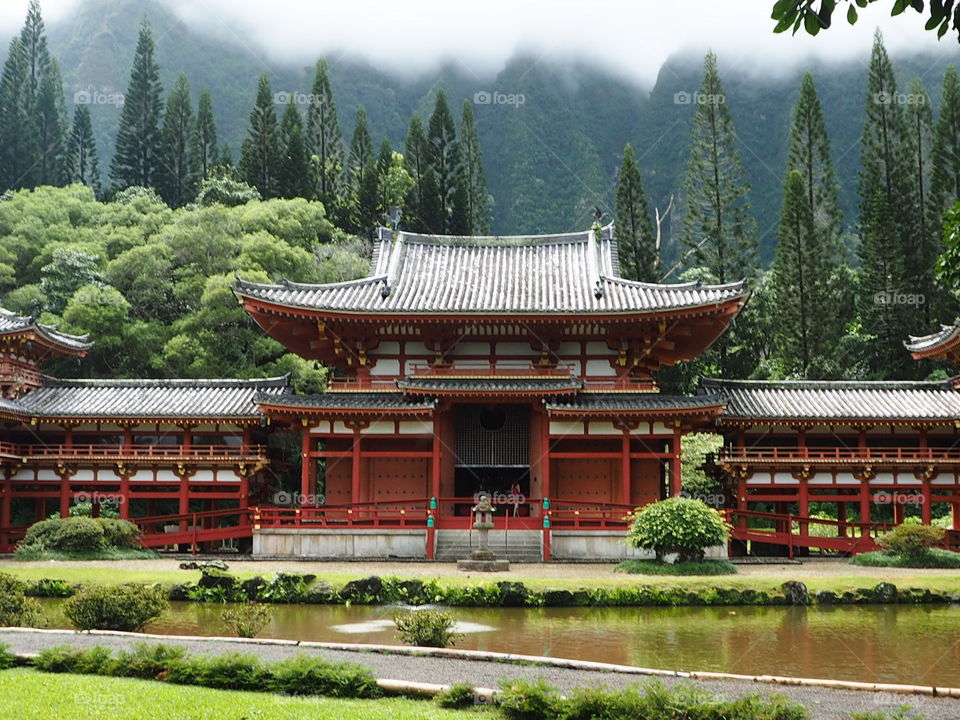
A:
(839, 455)
(119, 450)
(367, 515)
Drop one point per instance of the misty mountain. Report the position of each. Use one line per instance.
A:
(551, 133)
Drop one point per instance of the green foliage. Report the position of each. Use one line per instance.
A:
(246, 620)
(814, 17)
(230, 671)
(7, 658)
(650, 567)
(933, 558)
(636, 242)
(117, 607)
(50, 587)
(529, 700)
(456, 697)
(912, 542)
(260, 154)
(311, 675)
(678, 525)
(694, 448)
(426, 628)
(146, 661)
(16, 609)
(78, 535)
(901, 713)
(74, 660)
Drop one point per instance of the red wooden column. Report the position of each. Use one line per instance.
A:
(803, 505)
(625, 489)
(355, 468)
(926, 507)
(545, 487)
(676, 479)
(6, 499)
(305, 464)
(436, 458)
(184, 495)
(865, 503)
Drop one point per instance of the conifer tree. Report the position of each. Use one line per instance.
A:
(203, 151)
(324, 141)
(176, 177)
(472, 205)
(417, 161)
(136, 160)
(361, 164)
(45, 91)
(294, 166)
(260, 154)
(18, 129)
(444, 155)
(635, 239)
(945, 182)
(81, 160)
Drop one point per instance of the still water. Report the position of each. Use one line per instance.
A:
(906, 644)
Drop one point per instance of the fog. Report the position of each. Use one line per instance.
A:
(630, 37)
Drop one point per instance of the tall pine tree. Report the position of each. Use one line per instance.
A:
(260, 154)
(361, 178)
(203, 151)
(945, 183)
(444, 154)
(136, 160)
(294, 164)
(81, 160)
(473, 201)
(18, 128)
(45, 90)
(324, 143)
(176, 176)
(416, 158)
(635, 239)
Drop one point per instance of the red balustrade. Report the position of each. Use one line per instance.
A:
(133, 450)
(838, 455)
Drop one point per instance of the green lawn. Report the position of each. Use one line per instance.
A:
(27, 694)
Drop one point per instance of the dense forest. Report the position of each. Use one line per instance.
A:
(127, 212)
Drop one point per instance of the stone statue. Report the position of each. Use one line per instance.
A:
(483, 559)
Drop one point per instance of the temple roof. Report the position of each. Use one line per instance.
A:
(626, 402)
(422, 274)
(149, 399)
(837, 400)
(11, 323)
(374, 401)
(927, 344)
(12, 408)
(533, 385)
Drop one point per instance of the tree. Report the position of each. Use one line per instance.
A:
(635, 241)
(69, 270)
(136, 160)
(176, 178)
(473, 201)
(18, 128)
(794, 14)
(717, 226)
(444, 157)
(203, 152)
(361, 187)
(294, 164)
(417, 204)
(945, 171)
(678, 525)
(45, 91)
(324, 141)
(81, 159)
(260, 155)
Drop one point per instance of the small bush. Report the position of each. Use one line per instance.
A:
(16, 609)
(50, 587)
(7, 658)
(310, 675)
(651, 567)
(678, 525)
(232, 671)
(147, 662)
(912, 542)
(522, 700)
(247, 620)
(115, 607)
(933, 558)
(119, 533)
(80, 535)
(426, 628)
(456, 697)
(78, 661)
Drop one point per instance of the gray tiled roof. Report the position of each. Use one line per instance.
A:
(638, 401)
(10, 322)
(12, 407)
(160, 399)
(836, 400)
(919, 343)
(528, 274)
(545, 384)
(365, 401)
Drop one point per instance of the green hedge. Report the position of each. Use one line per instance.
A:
(115, 607)
(82, 537)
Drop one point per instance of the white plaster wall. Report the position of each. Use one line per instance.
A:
(345, 544)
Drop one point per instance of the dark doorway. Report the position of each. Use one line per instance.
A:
(498, 482)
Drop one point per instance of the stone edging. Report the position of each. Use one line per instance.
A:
(400, 686)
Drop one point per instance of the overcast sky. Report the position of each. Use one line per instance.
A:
(634, 36)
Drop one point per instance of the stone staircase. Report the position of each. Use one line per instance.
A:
(518, 545)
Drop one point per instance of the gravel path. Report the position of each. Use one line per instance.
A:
(823, 704)
(580, 571)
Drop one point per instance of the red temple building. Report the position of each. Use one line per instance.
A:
(520, 366)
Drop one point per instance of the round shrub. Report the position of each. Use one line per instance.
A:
(678, 525)
(74, 534)
(115, 607)
(426, 628)
(912, 542)
(16, 609)
(247, 620)
(119, 533)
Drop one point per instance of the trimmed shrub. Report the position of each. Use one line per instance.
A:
(50, 587)
(678, 525)
(456, 697)
(523, 700)
(426, 628)
(310, 675)
(247, 620)
(119, 533)
(650, 567)
(16, 609)
(912, 542)
(7, 658)
(147, 662)
(78, 535)
(231, 671)
(78, 661)
(115, 607)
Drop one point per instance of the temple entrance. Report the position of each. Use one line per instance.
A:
(493, 456)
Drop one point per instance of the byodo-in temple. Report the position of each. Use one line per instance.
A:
(522, 367)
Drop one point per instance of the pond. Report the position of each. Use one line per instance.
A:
(879, 643)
